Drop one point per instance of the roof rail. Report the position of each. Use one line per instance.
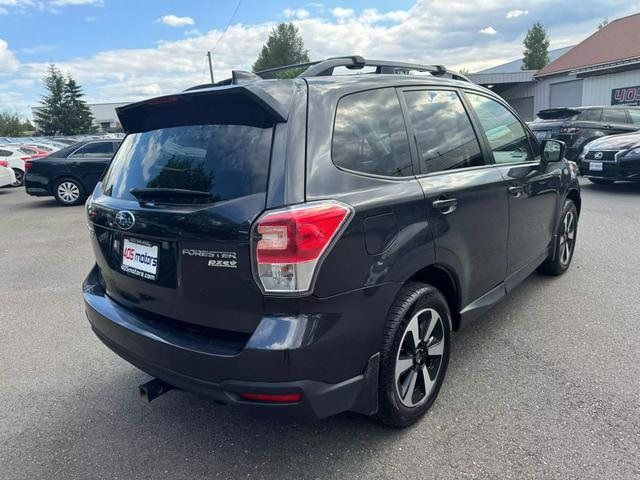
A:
(356, 62)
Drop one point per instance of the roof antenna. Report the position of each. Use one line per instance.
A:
(209, 53)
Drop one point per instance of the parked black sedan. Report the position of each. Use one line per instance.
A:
(578, 126)
(612, 158)
(72, 173)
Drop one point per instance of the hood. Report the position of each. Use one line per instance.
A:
(616, 142)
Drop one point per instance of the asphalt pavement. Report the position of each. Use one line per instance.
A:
(546, 385)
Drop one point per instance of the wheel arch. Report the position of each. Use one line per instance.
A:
(444, 279)
(574, 195)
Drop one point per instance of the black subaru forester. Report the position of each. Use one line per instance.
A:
(307, 246)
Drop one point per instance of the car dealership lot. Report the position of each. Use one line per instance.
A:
(545, 386)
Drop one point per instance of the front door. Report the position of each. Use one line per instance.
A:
(465, 197)
(532, 192)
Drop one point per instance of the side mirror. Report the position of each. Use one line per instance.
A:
(552, 151)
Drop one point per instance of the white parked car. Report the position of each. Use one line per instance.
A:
(7, 177)
(15, 155)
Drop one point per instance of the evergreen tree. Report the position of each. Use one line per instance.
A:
(78, 118)
(50, 116)
(284, 47)
(536, 44)
(62, 109)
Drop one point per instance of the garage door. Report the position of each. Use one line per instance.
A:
(524, 107)
(566, 94)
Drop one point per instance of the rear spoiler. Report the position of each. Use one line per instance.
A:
(552, 113)
(236, 104)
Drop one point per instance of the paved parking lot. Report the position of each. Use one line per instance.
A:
(546, 386)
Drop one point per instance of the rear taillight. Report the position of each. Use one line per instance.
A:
(27, 165)
(4, 163)
(290, 243)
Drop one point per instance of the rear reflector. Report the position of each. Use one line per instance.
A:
(269, 398)
(291, 242)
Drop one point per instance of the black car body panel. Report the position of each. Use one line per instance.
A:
(578, 126)
(215, 331)
(612, 158)
(69, 162)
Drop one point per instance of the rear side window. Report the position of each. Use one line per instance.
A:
(614, 115)
(227, 161)
(5, 153)
(95, 150)
(590, 115)
(635, 116)
(370, 136)
(444, 135)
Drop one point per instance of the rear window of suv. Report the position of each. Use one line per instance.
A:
(227, 161)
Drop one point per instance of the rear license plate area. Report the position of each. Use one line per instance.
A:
(140, 258)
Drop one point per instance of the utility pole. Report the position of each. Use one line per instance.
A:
(210, 67)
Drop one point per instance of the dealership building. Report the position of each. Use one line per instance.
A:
(604, 69)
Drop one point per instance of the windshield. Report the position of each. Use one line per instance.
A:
(227, 161)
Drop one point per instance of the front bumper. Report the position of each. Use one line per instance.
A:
(209, 366)
(620, 170)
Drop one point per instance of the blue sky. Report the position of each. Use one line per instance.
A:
(127, 50)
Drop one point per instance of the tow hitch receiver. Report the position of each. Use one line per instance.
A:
(153, 389)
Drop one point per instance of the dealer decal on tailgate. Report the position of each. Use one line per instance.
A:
(140, 258)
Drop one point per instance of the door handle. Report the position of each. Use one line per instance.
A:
(516, 190)
(446, 205)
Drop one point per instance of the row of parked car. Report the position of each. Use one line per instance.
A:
(603, 141)
(66, 168)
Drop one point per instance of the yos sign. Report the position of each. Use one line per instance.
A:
(625, 96)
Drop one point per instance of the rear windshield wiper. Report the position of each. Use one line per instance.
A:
(172, 195)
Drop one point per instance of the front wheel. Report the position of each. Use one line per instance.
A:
(559, 262)
(19, 177)
(68, 191)
(414, 354)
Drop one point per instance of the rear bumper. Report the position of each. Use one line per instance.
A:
(621, 170)
(189, 362)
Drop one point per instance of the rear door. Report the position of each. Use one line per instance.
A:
(616, 120)
(466, 201)
(173, 214)
(532, 192)
(89, 162)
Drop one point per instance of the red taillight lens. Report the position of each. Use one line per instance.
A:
(4, 163)
(27, 165)
(269, 398)
(291, 242)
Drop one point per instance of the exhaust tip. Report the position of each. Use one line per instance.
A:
(153, 389)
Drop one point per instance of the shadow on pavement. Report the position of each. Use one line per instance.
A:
(629, 188)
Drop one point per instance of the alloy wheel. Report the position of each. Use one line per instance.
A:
(68, 192)
(419, 357)
(567, 237)
(19, 177)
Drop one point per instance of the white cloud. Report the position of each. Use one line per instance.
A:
(91, 18)
(62, 3)
(488, 31)
(175, 21)
(299, 13)
(8, 61)
(194, 32)
(38, 49)
(342, 13)
(516, 13)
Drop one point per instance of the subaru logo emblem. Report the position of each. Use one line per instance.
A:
(125, 219)
(598, 155)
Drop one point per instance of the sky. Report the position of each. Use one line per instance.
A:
(130, 50)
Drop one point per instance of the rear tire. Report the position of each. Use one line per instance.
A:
(19, 177)
(414, 354)
(601, 181)
(566, 244)
(68, 192)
